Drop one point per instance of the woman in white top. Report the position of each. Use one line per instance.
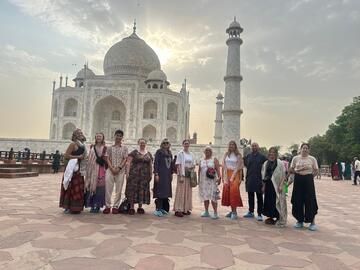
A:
(303, 199)
(185, 164)
(209, 179)
(232, 169)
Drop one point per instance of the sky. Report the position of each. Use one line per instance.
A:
(300, 59)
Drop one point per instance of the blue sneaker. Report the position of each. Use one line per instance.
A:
(158, 213)
(259, 218)
(234, 216)
(215, 216)
(205, 214)
(164, 212)
(312, 227)
(299, 225)
(228, 215)
(249, 215)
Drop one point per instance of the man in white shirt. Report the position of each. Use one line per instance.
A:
(356, 169)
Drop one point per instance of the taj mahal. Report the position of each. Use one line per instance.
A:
(135, 95)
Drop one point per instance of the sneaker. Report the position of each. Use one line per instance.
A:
(234, 216)
(215, 216)
(299, 225)
(106, 210)
(249, 215)
(164, 212)
(312, 227)
(205, 214)
(158, 213)
(259, 218)
(67, 211)
(228, 215)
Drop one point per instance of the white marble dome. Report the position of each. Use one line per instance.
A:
(130, 56)
(85, 71)
(157, 75)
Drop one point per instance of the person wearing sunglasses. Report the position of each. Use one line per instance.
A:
(163, 170)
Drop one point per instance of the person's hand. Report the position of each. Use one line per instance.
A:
(81, 157)
(157, 178)
(218, 181)
(280, 188)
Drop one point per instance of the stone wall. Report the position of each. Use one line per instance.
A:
(50, 146)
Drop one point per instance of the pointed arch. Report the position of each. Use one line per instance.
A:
(150, 109)
(149, 133)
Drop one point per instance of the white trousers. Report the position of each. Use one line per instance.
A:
(112, 180)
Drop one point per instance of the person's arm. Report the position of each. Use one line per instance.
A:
(217, 168)
(71, 148)
(128, 165)
(156, 166)
(123, 162)
(315, 166)
(199, 170)
(151, 165)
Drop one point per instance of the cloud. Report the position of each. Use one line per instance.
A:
(15, 61)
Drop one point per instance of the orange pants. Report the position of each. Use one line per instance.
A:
(231, 192)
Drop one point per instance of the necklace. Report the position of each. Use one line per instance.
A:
(168, 162)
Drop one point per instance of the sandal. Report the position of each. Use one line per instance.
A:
(179, 214)
(270, 221)
(140, 211)
(131, 212)
(188, 213)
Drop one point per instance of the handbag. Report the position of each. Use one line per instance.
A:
(193, 179)
(100, 160)
(210, 173)
(124, 206)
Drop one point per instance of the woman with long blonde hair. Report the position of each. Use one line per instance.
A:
(232, 167)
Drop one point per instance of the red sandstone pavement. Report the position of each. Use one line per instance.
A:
(35, 234)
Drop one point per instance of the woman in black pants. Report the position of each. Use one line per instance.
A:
(303, 200)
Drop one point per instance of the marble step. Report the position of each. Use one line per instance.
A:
(18, 175)
(13, 170)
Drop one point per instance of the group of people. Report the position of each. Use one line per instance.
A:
(91, 175)
(346, 170)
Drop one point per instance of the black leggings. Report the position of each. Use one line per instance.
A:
(303, 200)
(162, 204)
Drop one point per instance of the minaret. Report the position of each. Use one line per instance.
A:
(231, 112)
(218, 120)
(61, 77)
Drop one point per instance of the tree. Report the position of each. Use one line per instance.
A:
(341, 142)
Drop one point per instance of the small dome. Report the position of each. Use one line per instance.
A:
(85, 72)
(157, 75)
(220, 96)
(234, 24)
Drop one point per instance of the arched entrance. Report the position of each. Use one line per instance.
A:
(149, 133)
(67, 131)
(109, 115)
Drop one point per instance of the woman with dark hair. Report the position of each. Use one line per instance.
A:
(139, 174)
(72, 186)
(163, 170)
(185, 165)
(95, 175)
(232, 170)
(303, 200)
(273, 174)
